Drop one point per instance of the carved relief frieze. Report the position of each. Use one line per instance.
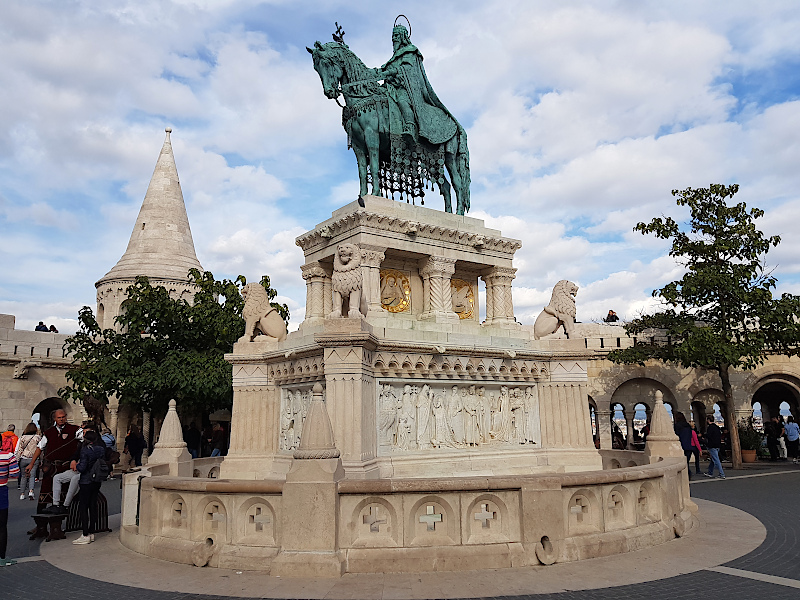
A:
(297, 370)
(421, 416)
(395, 291)
(362, 218)
(295, 402)
(447, 366)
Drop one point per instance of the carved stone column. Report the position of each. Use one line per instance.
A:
(327, 295)
(604, 428)
(372, 257)
(146, 435)
(498, 296)
(315, 276)
(436, 272)
(113, 419)
(489, 299)
(629, 426)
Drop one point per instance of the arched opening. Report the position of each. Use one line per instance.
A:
(45, 410)
(101, 311)
(593, 422)
(699, 416)
(776, 398)
(641, 418)
(758, 417)
(619, 427)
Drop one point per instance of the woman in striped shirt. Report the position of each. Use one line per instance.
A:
(8, 469)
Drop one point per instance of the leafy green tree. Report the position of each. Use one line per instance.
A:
(163, 348)
(721, 314)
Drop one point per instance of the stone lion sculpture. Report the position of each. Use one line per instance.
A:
(259, 315)
(560, 311)
(347, 281)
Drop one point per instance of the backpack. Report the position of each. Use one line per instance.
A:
(99, 470)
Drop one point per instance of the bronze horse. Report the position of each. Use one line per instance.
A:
(365, 118)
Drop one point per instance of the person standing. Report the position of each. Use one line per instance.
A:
(696, 451)
(134, 445)
(26, 447)
(193, 439)
(782, 453)
(773, 430)
(792, 438)
(713, 443)
(93, 449)
(9, 434)
(684, 432)
(59, 443)
(9, 469)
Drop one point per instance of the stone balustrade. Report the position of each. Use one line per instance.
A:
(404, 525)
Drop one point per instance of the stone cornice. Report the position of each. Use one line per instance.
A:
(364, 218)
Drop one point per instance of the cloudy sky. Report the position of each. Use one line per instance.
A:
(581, 117)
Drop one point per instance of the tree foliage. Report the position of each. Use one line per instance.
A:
(722, 312)
(162, 348)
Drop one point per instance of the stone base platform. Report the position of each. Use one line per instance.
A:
(710, 544)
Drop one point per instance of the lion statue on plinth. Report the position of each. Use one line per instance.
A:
(560, 311)
(347, 282)
(259, 315)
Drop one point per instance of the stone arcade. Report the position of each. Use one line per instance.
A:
(402, 434)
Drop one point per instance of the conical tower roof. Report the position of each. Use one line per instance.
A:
(161, 244)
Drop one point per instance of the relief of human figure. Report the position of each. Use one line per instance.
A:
(485, 421)
(455, 415)
(520, 431)
(425, 423)
(502, 432)
(443, 434)
(389, 404)
(407, 416)
(287, 426)
(532, 410)
(471, 409)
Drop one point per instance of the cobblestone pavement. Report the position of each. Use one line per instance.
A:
(768, 572)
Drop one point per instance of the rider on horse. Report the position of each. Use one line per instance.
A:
(414, 108)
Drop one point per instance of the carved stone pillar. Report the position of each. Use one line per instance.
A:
(499, 302)
(146, 435)
(436, 272)
(113, 419)
(629, 426)
(327, 295)
(372, 257)
(604, 428)
(315, 276)
(489, 299)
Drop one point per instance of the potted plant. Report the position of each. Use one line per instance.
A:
(750, 439)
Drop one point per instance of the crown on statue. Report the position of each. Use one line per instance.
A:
(338, 35)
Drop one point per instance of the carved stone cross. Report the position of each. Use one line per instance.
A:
(485, 515)
(259, 519)
(177, 513)
(430, 518)
(614, 504)
(580, 508)
(214, 516)
(373, 520)
(642, 500)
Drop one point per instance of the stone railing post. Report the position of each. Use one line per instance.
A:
(604, 428)
(437, 302)
(315, 276)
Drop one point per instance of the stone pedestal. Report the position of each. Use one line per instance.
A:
(170, 448)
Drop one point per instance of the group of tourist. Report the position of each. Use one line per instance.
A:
(66, 458)
(42, 327)
(783, 438)
(212, 441)
(692, 447)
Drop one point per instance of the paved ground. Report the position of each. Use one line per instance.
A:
(769, 493)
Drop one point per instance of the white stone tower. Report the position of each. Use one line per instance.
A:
(161, 245)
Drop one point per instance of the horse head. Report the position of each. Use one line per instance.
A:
(328, 65)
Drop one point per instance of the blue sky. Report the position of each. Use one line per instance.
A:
(581, 117)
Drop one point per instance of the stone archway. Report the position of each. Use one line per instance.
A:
(772, 394)
(45, 409)
(639, 391)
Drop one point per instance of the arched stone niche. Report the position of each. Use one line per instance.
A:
(432, 521)
(256, 522)
(373, 523)
(618, 511)
(583, 513)
(648, 503)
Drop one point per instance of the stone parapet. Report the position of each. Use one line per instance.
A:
(398, 525)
